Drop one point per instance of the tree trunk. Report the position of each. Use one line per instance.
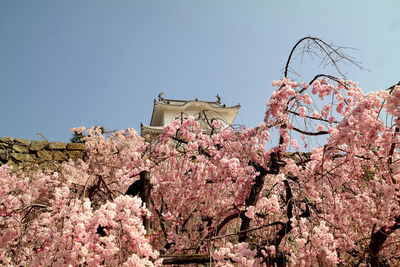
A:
(144, 194)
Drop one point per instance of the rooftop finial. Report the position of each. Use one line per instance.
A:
(161, 96)
(218, 99)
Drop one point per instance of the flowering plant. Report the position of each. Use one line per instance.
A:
(236, 197)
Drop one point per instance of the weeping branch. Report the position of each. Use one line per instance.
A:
(329, 53)
(310, 133)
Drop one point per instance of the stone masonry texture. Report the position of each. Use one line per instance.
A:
(20, 152)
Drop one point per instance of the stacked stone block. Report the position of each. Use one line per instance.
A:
(20, 152)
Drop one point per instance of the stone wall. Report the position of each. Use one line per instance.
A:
(22, 152)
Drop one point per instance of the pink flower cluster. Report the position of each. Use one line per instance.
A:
(234, 195)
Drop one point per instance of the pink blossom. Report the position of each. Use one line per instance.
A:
(250, 212)
(78, 130)
(202, 184)
(319, 127)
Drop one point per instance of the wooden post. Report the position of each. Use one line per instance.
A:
(144, 194)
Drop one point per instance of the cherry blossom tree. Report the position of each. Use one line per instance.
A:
(223, 196)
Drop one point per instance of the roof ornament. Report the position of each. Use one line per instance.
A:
(161, 96)
(218, 99)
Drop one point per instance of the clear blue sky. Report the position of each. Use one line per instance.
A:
(73, 63)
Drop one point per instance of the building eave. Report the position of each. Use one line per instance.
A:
(206, 105)
(146, 129)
